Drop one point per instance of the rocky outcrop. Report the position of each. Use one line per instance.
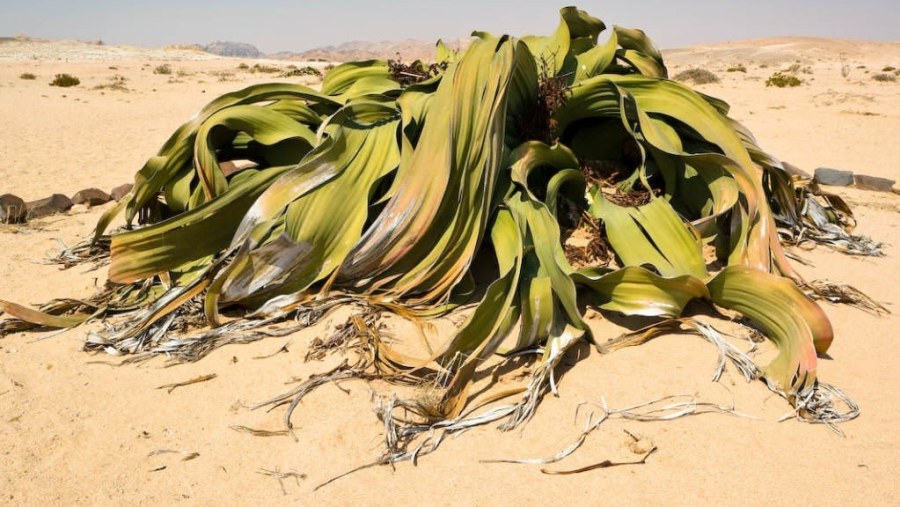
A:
(12, 209)
(91, 197)
(406, 50)
(56, 203)
(236, 49)
(834, 177)
(875, 183)
(121, 191)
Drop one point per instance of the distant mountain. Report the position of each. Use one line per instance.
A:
(236, 49)
(407, 50)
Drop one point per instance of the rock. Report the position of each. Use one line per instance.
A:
(91, 197)
(121, 191)
(872, 183)
(12, 209)
(835, 177)
(896, 188)
(795, 171)
(56, 203)
(235, 49)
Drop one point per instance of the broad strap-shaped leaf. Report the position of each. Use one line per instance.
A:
(424, 239)
(797, 325)
(640, 52)
(489, 323)
(633, 290)
(264, 125)
(197, 233)
(313, 244)
(176, 153)
(355, 79)
(577, 33)
(597, 59)
(42, 319)
(652, 234)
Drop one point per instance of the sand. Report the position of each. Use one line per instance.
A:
(75, 429)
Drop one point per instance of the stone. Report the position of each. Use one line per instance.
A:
(56, 203)
(91, 197)
(875, 183)
(834, 177)
(12, 209)
(121, 191)
(795, 171)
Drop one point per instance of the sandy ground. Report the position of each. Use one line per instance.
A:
(76, 430)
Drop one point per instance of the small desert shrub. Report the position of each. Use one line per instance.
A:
(885, 78)
(737, 68)
(117, 84)
(27, 76)
(798, 69)
(782, 80)
(165, 69)
(889, 69)
(265, 69)
(224, 76)
(305, 71)
(243, 66)
(697, 76)
(329, 67)
(65, 81)
(764, 66)
(113, 67)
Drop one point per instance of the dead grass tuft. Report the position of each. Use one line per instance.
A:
(696, 76)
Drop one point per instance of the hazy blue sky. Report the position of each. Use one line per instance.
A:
(275, 25)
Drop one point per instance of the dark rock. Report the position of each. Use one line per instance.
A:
(91, 197)
(872, 183)
(121, 191)
(834, 177)
(12, 209)
(795, 171)
(56, 203)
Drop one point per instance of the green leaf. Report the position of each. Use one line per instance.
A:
(194, 234)
(651, 234)
(797, 325)
(637, 291)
